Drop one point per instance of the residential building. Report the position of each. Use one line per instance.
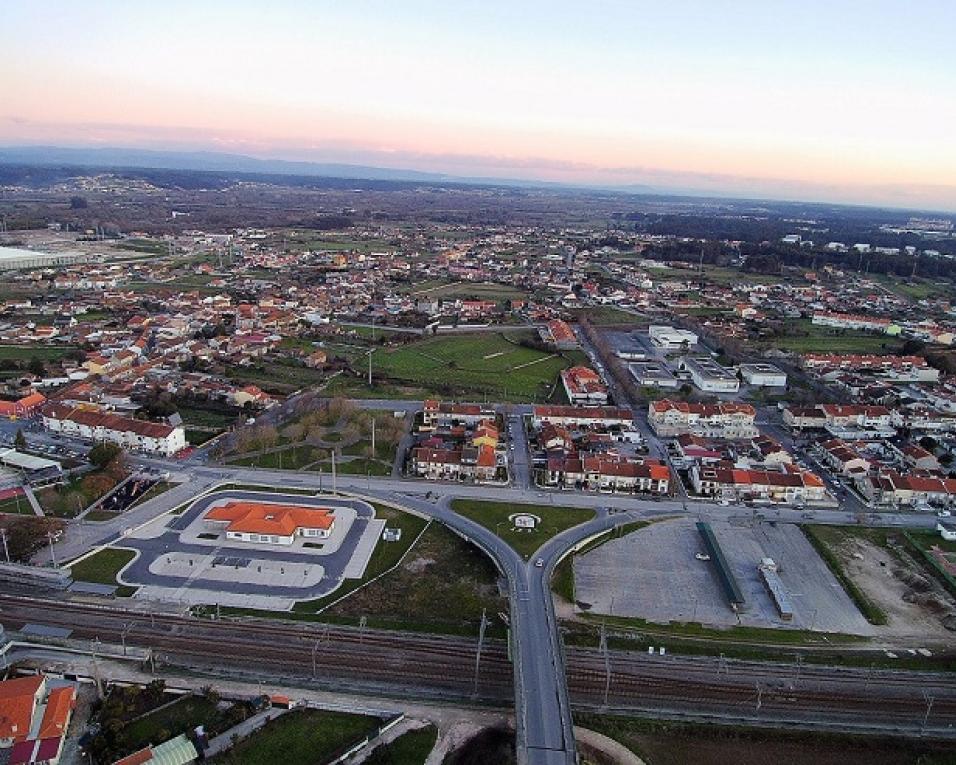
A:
(22, 408)
(581, 416)
(444, 414)
(131, 434)
(584, 386)
(790, 484)
(726, 420)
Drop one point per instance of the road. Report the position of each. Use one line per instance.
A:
(543, 710)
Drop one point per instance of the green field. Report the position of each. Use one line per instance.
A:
(468, 291)
(806, 337)
(301, 737)
(411, 748)
(102, 567)
(494, 516)
(385, 556)
(16, 506)
(442, 587)
(27, 352)
(482, 365)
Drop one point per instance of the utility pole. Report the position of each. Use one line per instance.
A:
(607, 663)
(929, 708)
(49, 535)
(481, 640)
(126, 628)
(6, 550)
(373, 435)
(333, 470)
(315, 651)
(759, 697)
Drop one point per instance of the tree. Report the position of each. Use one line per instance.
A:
(78, 203)
(20, 441)
(103, 453)
(36, 366)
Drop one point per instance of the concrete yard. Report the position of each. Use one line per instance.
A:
(652, 574)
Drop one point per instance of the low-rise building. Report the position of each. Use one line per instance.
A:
(671, 337)
(709, 376)
(763, 375)
(478, 463)
(445, 414)
(584, 386)
(790, 484)
(726, 420)
(652, 374)
(129, 433)
(270, 523)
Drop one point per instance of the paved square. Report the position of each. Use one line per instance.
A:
(652, 574)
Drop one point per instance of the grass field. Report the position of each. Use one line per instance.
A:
(301, 737)
(485, 364)
(806, 337)
(410, 748)
(103, 566)
(441, 587)
(468, 291)
(385, 556)
(179, 717)
(495, 515)
(27, 352)
(16, 506)
(674, 743)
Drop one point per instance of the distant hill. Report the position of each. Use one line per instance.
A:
(43, 156)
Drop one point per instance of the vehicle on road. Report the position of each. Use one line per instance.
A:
(539, 563)
(943, 514)
(702, 556)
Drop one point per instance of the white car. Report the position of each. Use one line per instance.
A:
(943, 514)
(539, 563)
(702, 556)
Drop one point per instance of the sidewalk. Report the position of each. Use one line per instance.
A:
(224, 741)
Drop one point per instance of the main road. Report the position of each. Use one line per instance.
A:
(542, 708)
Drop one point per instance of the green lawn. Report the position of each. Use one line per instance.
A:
(301, 737)
(16, 506)
(411, 748)
(179, 717)
(495, 515)
(482, 365)
(103, 566)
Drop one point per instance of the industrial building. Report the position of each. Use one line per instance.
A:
(709, 376)
(763, 375)
(16, 258)
(652, 374)
(671, 337)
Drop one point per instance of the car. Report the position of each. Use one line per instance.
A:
(539, 563)
(943, 514)
(702, 556)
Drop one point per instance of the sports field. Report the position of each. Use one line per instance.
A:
(475, 365)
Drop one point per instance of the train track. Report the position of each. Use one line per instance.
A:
(404, 662)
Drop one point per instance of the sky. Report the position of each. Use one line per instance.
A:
(835, 100)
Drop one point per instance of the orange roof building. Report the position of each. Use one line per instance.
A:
(56, 715)
(271, 523)
(18, 701)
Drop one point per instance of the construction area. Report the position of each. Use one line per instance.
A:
(717, 574)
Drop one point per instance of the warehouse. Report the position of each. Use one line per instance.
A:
(764, 375)
(652, 374)
(709, 376)
(670, 337)
(16, 258)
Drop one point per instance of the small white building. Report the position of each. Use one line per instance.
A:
(763, 375)
(671, 337)
(709, 376)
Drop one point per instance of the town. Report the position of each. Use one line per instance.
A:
(625, 448)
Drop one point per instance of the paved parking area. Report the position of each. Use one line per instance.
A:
(175, 563)
(653, 574)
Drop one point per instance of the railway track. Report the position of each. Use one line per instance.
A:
(445, 665)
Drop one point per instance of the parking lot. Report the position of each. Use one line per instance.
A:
(654, 574)
(176, 563)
